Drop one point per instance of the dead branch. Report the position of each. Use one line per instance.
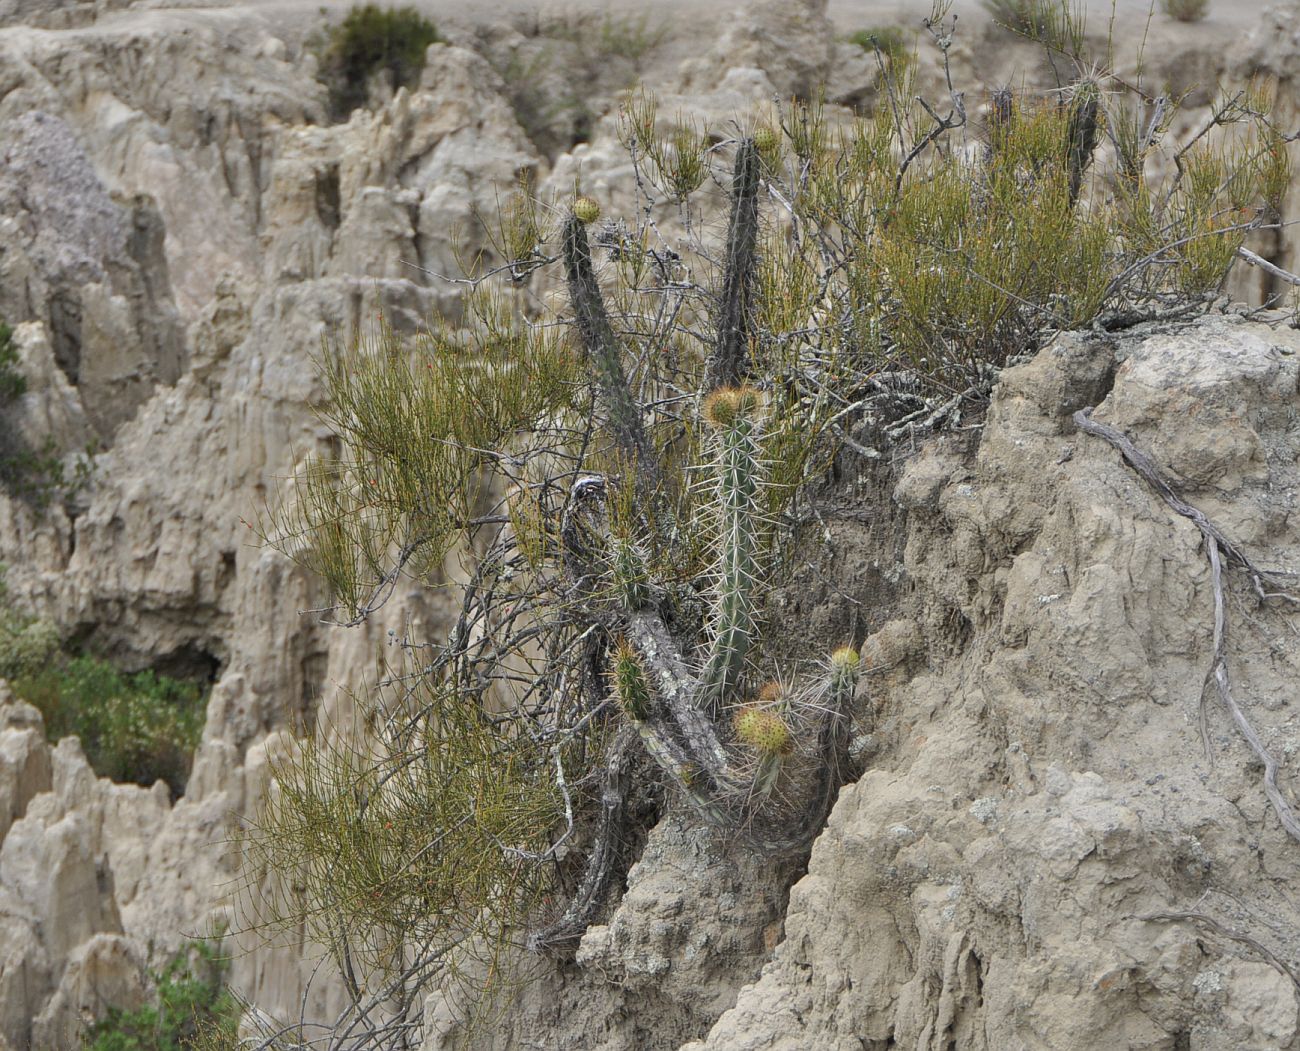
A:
(1274, 961)
(1216, 546)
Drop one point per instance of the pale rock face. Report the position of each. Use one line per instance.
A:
(270, 235)
(106, 969)
(93, 269)
(985, 883)
(180, 235)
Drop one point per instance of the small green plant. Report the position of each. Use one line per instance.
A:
(1185, 10)
(890, 41)
(371, 40)
(27, 644)
(193, 1009)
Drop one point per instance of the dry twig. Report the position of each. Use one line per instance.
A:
(1216, 546)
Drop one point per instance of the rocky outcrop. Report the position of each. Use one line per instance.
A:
(278, 232)
(181, 229)
(1042, 852)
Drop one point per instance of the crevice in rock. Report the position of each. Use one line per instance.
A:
(327, 197)
(64, 308)
(191, 662)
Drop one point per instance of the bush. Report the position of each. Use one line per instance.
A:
(140, 728)
(371, 40)
(193, 1010)
(1185, 10)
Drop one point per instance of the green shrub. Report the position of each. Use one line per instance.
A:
(26, 645)
(141, 727)
(1185, 10)
(890, 40)
(193, 1009)
(369, 40)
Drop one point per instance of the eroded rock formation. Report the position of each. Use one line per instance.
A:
(180, 230)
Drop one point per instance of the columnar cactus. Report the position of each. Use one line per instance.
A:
(1082, 133)
(728, 363)
(621, 411)
(735, 413)
(686, 698)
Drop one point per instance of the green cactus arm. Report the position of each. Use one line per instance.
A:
(767, 774)
(739, 476)
(728, 364)
(1082, 133)
(622, 412)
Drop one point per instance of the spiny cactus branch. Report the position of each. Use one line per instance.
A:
(832, 753)
(739, 475)
(729, 362)
(1082, 133)
(622, 412)
(678, 690)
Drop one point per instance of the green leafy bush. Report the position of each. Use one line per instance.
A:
(138, 727)
(141, 727)
(369, 40)
(193, 1011)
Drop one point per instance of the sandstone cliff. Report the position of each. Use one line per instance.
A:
(180, 229)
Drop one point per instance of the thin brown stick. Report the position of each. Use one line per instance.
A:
(1216, 546)
(1245, 939)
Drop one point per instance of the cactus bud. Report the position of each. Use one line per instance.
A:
(766, 139)
(845, 663)
(724, 407)
(586, 210)
(846, 659)
(763, 730)
(770, 693)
